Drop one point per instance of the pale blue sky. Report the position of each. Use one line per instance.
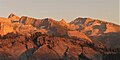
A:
(58, 9)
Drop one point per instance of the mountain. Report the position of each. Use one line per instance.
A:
(27, 38)
(93, 27)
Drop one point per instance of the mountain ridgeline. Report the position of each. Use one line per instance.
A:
(27, 38)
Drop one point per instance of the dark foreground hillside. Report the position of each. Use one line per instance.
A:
(43, 47)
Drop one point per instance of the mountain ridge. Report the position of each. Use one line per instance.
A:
(27, 38)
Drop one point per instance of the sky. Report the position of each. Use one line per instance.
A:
(107, 10)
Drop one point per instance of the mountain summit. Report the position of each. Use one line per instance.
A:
(11, 15)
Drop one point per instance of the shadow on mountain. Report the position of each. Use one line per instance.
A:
(27, 54)
(110, 40)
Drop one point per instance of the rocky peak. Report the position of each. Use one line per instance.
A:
(11, 15)
(78, 21)
(81, 18)
(27, 20)
(62, 20)
(48, 21)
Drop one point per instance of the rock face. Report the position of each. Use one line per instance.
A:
(93, 27)
(5, 26)
(111, 40)
(26, 38)
(77, 34)
(41, 47)
(13, 18)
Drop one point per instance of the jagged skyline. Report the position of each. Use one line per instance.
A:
(27, 38)
(67, 9)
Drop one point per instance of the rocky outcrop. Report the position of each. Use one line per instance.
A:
(77, 34)
(27, 20)
(92, 27)
(5, 26)
(14, 18)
